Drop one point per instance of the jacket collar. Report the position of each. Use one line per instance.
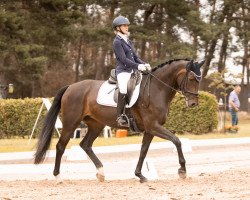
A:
(124, 37)
(127, 43)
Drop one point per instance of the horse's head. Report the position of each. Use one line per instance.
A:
(189, 83)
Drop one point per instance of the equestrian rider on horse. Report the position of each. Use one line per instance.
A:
(127, 62)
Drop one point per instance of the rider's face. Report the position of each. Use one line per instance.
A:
(124, 28)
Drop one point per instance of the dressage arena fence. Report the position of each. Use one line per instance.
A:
(17, 116)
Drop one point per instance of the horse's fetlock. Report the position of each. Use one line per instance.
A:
(138, 174)
(182, 161)
(55, 173)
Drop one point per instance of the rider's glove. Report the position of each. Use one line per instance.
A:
(142, 67)
(147, 65)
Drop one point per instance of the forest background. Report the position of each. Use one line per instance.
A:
(46, 44)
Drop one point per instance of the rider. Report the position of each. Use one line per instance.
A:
(127, 62)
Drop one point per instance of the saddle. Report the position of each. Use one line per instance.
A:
(135, 79)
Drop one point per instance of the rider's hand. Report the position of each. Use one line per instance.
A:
(147, 65)
(142, 67)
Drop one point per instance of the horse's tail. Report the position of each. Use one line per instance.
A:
(48, 127)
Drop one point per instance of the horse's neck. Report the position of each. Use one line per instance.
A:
(168, 74)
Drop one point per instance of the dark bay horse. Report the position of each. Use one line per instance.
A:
(77, 103)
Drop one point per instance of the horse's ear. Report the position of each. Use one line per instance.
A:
(189, 65)
(201, 63)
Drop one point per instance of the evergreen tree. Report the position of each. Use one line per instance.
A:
(71, 40)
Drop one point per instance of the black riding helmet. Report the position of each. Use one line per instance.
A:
(120, 20)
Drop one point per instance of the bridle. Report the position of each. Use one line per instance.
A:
(183, 85)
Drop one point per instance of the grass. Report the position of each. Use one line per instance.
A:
(21, 145)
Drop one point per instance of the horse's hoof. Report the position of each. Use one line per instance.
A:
(100, 177)
(182, 173)
(58, 179)
(143, 180)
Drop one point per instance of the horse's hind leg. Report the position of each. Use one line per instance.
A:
(60, 148)
(94, 129)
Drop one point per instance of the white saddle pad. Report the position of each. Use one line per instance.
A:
(106, 95)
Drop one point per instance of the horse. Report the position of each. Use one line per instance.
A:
(77, 103)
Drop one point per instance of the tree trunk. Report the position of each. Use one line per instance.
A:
(146, 16)
(79, 55)
(100, 64)
(209, 51)
(246, 59)
(195, 36)
(36, 88)
(223, 52)
(113, 6)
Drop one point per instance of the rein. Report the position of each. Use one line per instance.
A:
(182, 88)
(165, 83)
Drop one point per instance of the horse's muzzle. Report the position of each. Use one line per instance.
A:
(192, 102)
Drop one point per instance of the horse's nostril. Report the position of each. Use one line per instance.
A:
(193, 104)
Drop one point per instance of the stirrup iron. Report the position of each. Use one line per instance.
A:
(123, 121)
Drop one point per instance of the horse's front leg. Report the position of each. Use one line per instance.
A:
(161, 132)
(147, 138)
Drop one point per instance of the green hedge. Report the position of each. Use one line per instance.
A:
(197, 120)
(17, 116)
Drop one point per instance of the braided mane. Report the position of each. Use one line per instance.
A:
(168, 63)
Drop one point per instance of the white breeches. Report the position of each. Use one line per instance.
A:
(123, 79)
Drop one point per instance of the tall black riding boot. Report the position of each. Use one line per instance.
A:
(121, 116)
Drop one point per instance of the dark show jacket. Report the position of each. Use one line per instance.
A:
(125, 55)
